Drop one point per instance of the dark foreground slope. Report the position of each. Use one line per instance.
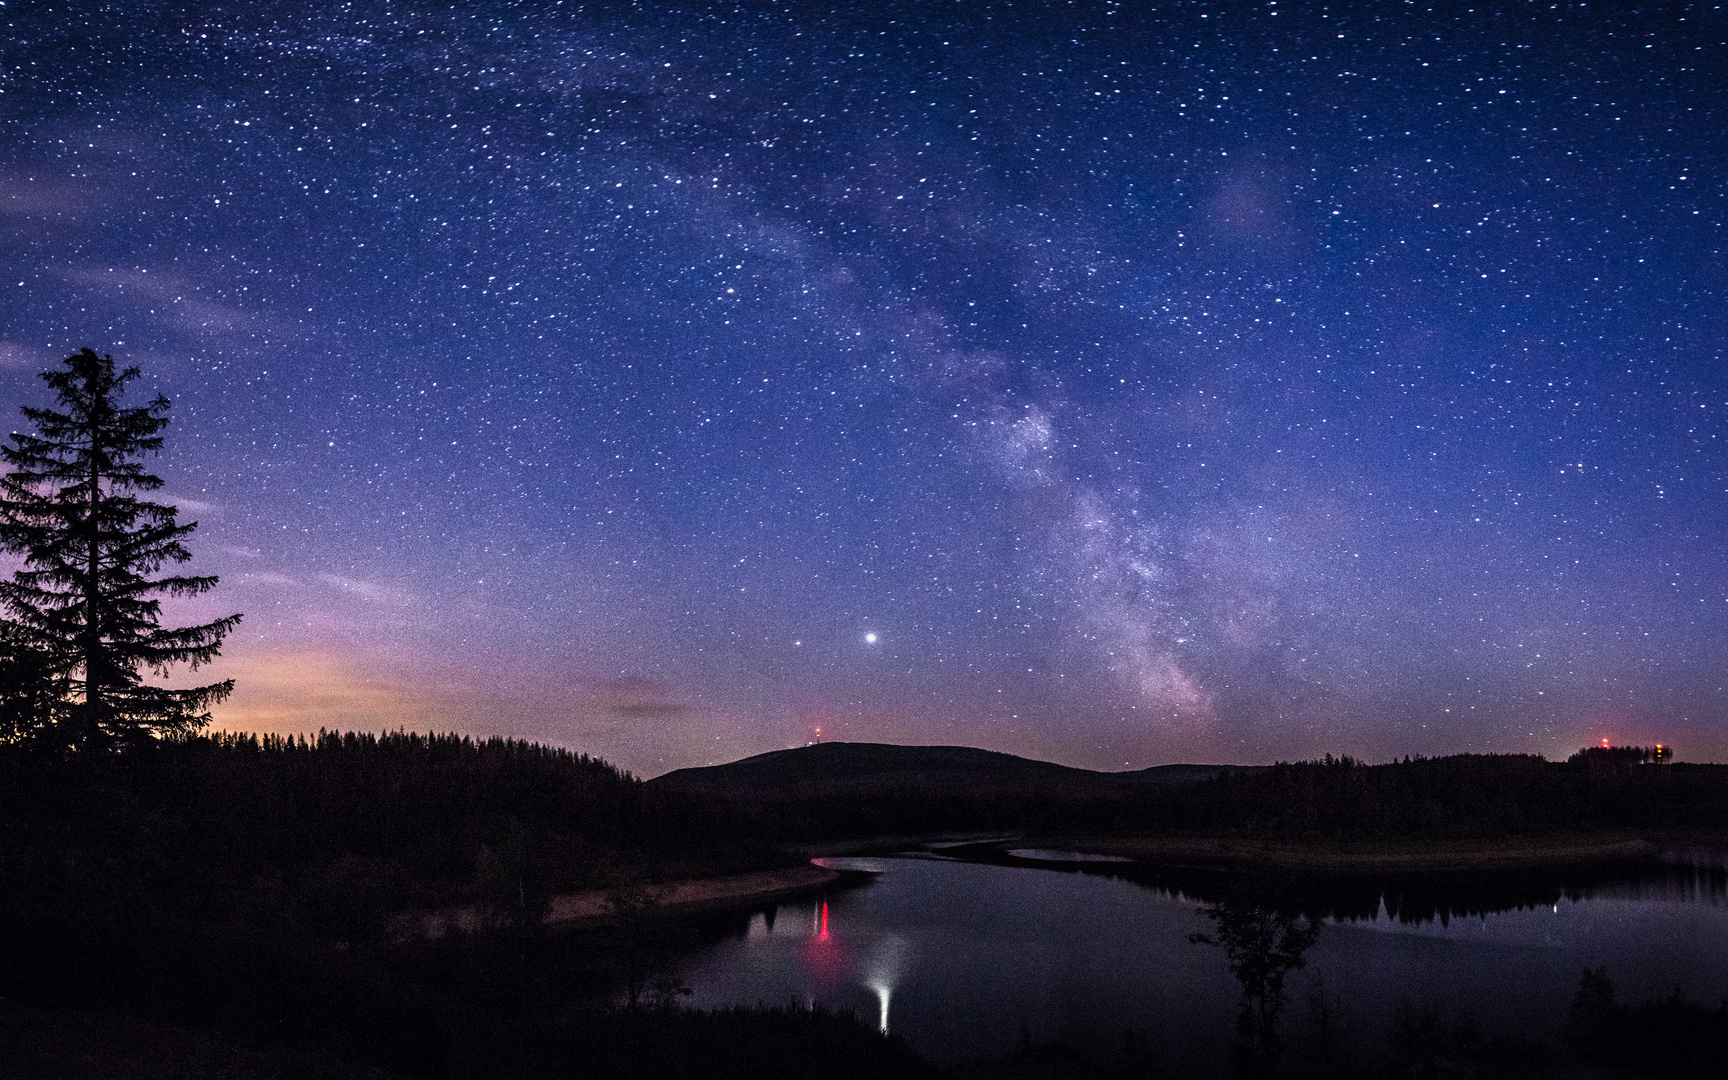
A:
(245, 886)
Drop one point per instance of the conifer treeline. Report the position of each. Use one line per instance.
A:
(1474, 795)
(1463, 794)
(426, 801)
(329, 836)
(249, 884)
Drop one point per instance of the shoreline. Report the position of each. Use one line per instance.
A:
(588, 907)
(1357, 857)
(696, 895)
(693, 896)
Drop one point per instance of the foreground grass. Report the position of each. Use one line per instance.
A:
(66, 1045)
(663, 1044)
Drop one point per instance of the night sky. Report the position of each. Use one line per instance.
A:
(1112, 383)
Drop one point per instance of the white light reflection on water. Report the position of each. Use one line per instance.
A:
(882, 970)
(882, 994)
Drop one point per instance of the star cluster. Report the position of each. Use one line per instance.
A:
(1113, 383)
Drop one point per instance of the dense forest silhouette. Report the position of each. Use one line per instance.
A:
(249, 884)
(1465, 795)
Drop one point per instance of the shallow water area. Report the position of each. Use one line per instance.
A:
(966, 959)
(1055, 855)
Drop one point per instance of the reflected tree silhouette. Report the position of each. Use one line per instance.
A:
(1263, 945)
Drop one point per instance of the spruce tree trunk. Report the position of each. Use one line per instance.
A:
(92, 608)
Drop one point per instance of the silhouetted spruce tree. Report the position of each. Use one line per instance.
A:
(84, 610)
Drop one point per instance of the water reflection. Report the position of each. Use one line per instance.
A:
(1263, 946)
(959, 957)
(1054, 855)
(1692, 876)
(826, 959)
(883, 969)
(960, 966)
(883, 992)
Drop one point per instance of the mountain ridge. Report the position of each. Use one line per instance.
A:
(849, 763)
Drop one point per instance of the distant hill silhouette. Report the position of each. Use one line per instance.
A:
(857, 789)
(828, 763)
(1183, 774)
(876, 764)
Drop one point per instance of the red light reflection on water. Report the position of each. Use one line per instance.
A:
(826, 957)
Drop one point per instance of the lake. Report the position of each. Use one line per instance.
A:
(966, 959)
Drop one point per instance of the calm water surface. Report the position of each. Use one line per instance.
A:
(962, 958)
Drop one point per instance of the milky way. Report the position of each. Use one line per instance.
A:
(1153, 381)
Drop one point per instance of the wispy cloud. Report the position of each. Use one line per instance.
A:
(375, 592)
(23, 195)
(14, 354)
(192, 506)
(182, 301)
(633, 698)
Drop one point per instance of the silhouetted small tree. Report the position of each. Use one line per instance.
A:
(1667, 1037)
(85, 609)
(1263, 946)
(643, 941)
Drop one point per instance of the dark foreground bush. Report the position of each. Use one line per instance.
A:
(1668, 1037)
(735, 1044)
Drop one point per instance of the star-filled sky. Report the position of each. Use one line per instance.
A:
(1109, 382)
